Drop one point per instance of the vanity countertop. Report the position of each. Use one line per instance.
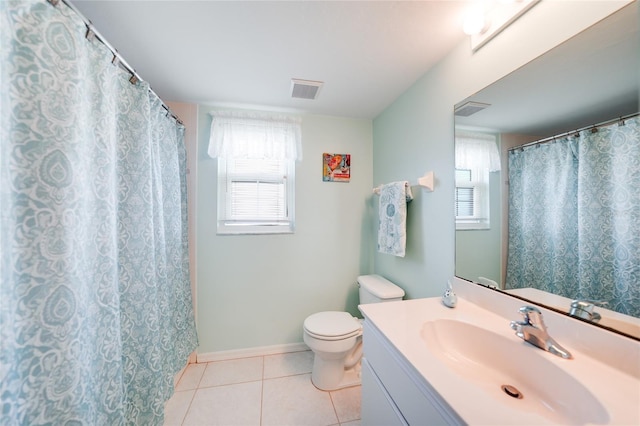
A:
(403, 324)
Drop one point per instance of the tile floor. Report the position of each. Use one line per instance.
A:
(262, 391)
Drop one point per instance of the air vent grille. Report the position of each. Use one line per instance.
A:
(305, 89)
(470, 108)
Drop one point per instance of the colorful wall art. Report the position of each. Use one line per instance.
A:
(336, 167)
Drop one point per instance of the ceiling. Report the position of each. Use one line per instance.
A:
(245, 53)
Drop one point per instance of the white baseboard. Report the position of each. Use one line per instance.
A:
(251, 352)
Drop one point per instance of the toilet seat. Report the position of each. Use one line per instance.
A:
(332, 325)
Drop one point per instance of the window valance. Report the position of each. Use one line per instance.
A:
(477, 151)
(253, 135)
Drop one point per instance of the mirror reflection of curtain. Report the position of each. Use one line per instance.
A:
(574, 217)
(95, 299)
(543, 225)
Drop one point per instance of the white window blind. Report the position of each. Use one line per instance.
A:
(256, 191)
(465, 201)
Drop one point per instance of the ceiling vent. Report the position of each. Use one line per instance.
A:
(305, 89)
(469, 108)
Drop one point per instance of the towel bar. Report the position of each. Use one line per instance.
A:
(426, 181)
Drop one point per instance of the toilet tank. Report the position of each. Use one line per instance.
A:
(375, 289)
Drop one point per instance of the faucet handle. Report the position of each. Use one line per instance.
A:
(584, 309)
(588, 304)
(533, 316)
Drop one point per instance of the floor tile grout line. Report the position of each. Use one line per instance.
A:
(262, 392)
(228, 384)
(202, 375)
(195, 391)
(287, 375)
(333, 405)
(186, 413)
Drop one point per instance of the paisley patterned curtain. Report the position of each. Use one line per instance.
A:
(574, 217)
(543, 226)
(609, 216)
(95, 300)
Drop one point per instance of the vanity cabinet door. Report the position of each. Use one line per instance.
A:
(415, 401)
(378, 409)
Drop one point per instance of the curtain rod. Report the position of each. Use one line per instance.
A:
(593, 127)
(118, 60)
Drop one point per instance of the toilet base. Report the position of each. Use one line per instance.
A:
(350, 377)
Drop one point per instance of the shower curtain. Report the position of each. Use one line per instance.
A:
(574, 216)
(95, 300)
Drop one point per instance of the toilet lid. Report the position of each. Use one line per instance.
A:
(332, 324)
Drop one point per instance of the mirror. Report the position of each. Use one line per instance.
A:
(592, 78)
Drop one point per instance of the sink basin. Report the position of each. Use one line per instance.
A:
(512, 371)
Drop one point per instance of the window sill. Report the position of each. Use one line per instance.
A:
(254, 229)
(472, 226)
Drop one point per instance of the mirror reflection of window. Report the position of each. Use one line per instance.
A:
(472, 199)
(476, 156)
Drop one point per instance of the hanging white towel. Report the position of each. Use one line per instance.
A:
(392, 234)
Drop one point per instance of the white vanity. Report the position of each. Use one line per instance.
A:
(393, 391)
(426, 364)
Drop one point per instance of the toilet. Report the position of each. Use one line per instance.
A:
(336, 337)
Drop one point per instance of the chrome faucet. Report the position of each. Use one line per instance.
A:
(584, 309)
(533, 330)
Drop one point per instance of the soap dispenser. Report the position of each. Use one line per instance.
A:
(449, 298)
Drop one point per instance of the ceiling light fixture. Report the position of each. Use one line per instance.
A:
(475, 21)
(485, 19)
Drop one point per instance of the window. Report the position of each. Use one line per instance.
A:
(255, 196)
(256, 155)
(476, 156)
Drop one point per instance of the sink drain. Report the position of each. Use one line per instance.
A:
(512, 391)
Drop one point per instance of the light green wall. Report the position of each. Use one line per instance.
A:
(415, 133)
(257, 290)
